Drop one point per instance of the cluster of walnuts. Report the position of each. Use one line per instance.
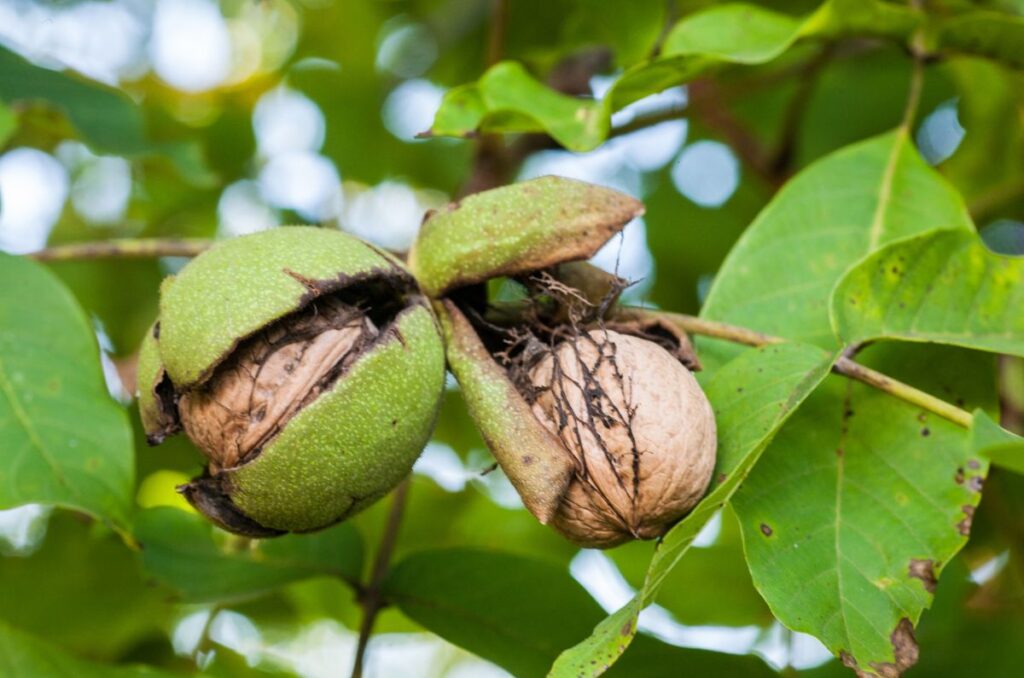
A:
(308, 366)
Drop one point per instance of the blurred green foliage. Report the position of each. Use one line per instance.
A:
(472, 566)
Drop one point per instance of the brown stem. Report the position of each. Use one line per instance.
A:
(918, 53)
(844, 365)
(123, 249)
(205, 643)
(994, 199)
(707, 103)
(371, 598)
(648, 120)
(496, 34)
(781, 161)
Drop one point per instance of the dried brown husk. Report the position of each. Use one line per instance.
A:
(639, 428)
(270, 377)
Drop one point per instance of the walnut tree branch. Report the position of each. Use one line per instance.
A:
(371, 599)
(844, 365)
(143, 248)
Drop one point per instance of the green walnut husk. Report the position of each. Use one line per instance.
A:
(590, 408)
(516, 229)
(306, 365)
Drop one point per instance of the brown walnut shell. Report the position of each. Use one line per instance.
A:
(640, 431)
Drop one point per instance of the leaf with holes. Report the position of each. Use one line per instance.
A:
(63, 440)
(943, 287)
(861, 500)
(752, 396)
(779, 277)
(204, 564)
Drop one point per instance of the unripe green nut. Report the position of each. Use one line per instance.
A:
(305, 364)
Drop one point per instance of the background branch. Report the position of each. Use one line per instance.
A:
(371, 599)
(122, 249)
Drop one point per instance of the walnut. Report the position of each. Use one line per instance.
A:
(639, 429)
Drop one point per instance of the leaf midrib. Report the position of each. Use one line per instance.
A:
(885, 192)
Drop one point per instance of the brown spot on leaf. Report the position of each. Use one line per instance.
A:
(924, 570)
(976, 483)
(766, 530)
(964, 526)
(839, 452)
(627, 628)
(973, 464)
(905, 653)
(904, 648)
(922, 417)
(925, 432)
(722, 477)
(959, 477)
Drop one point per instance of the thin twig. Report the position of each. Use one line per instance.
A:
(372, 600)
(123, 249)
(992, 200)
(496, 33)
(919, 55)
(705, 100)
(844, 365)
(648, 120)
(205, 643)
(781, 161)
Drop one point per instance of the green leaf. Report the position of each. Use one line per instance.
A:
(63, 441)
(732, 601)
(944, 287)
(752, 396)
(861, 500)
(995, 443)
(509, 609)
(739, 33)
(779, 276)
(8, 123)
(205, 565)
(25, 655)
(96, 600)
(508, 99)
(748, 34)
(106, 117)
(995, 35)
(520, 612)
(628, 28)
